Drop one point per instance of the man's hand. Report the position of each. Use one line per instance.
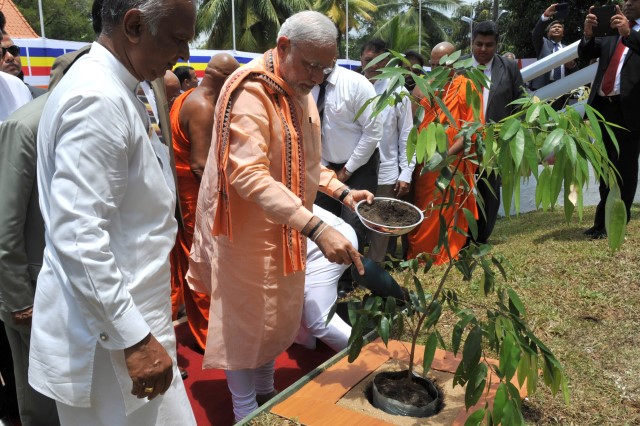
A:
(550, 11)
(343, 175)
(621, 23)
(150, 368)
(22, 317)
(590, 22)
(401, 188)
(355, 196)
(337, 249)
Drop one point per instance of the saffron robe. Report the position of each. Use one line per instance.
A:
(196, 304)
(424, 238)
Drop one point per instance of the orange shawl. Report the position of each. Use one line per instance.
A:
(293, 175)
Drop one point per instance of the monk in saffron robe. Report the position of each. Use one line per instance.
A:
(254, 208)
(424, 239)
(191, 128)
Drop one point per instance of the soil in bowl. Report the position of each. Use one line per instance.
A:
(389, 213)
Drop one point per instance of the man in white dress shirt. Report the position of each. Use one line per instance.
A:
(394, 174)
(102, 342)
(349, 146)
(13, 94)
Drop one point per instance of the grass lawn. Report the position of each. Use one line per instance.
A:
(583, 302)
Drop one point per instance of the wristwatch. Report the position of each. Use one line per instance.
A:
(344, 194)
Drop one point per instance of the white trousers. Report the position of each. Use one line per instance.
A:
(321, 289)
(107, 405)
(245, 384)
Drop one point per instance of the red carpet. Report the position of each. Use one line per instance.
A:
(207, 389)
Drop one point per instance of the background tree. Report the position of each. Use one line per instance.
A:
(461, 37)
(402, 17)
(359, 14)
(257, 22)
(63, 19)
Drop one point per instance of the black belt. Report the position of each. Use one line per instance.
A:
(610, 99)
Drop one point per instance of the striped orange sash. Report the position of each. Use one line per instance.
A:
(293, 161)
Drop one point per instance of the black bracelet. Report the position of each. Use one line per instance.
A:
(344, 195)
(314, 229)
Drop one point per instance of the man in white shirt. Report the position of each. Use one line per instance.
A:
(102, 342)
(349, 145)
(13, 94)
(394, 174)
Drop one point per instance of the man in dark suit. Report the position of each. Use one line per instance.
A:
(616, 94)
(505, 86)
(547, 38)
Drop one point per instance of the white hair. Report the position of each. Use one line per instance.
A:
(113, 12)
(310, 27)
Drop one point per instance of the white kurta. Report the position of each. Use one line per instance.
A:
(109, 221)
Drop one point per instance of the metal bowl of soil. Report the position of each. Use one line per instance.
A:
(388, 216)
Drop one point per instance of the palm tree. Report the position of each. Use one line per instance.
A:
(359, 12)
(402, 19)
(257, 22)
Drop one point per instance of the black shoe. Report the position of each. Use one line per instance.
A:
(183, 373)
(600, 234)
(592, 231)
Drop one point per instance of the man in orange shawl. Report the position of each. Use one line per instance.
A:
(424, 239)
(254, 208)
(191, 127)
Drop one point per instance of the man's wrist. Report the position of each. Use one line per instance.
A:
(344, 194)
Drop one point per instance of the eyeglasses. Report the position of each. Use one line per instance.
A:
(312, 67)
(14, 50)
(316, 67)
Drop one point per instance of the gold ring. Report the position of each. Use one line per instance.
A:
(148, 390)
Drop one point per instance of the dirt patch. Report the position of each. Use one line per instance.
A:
(358, 398)
(389, 213)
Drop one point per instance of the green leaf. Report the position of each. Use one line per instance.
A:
(412, 142)
(509, 128)
(444, 109)
(533, 112)
(476, 418)
(429, 351)
(435, 311)
(514, 300)
(594, 124)
(383, 330)
(420, 291)
(615, 219)
(530, 152)
(472, 348)
(332, 312)
(570, 149)
(471, 220)
(475, 385)
(552, 140)
(509, 356)
(499, 402)
(517, 148)
(511, 414)
(441, 138)
(355, 348)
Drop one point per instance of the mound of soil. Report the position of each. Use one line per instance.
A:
(389, 213)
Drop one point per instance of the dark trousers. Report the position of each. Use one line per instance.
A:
(366, 177)
(487, 221)
(625, 161)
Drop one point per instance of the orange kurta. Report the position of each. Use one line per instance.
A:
(196, 304)
(424, 239)
(255, 306)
